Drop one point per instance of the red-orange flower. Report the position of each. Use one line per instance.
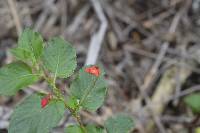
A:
(93, 70)
(45, 100)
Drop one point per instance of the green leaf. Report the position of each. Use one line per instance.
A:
(73, 129)
(94, 129)
(15, 76)
(193, 101)
(60, 58)
(88, 128)
(29, 117)
(21, 54)
(119, 124)
(72, 102)
(89, 90)
(197, 130)
(30, 46)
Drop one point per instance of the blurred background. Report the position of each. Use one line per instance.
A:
(150, 50)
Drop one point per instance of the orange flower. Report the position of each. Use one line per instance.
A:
(94, 70)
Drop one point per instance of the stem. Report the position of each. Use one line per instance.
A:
(80, 123)
(60, 96)
(75, 115)
(52, 83)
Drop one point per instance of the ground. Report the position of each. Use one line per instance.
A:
(150, 51)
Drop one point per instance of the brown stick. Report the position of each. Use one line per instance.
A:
(15, 15)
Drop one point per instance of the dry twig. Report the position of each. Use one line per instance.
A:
(97, 39)
(16, 18)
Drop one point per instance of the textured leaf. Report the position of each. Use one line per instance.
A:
(30, 46)
(29, 117)
(21, 54)
(60, 58)
(88, 128)
(193, 101)
(14, 77)
(89, 90)
(73, 129)
(94, 129)
(119, 124)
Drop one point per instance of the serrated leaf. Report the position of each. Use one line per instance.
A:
(193, 101)
(73, 129)
(30, 46)
(88, 129)
(21, 54)
(60, 58)
(89, 90)
(15, 76)
(119, 124)
(29, 117)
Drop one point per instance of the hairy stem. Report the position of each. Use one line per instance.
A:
(78, 119)
(60, 96)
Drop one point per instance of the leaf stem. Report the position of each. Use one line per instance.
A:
(60, 96)
(80, 123)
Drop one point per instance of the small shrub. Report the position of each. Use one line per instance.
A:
(40, 112)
